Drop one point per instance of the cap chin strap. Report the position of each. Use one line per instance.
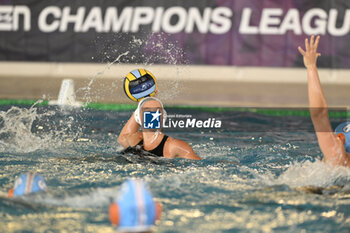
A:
(137, 113)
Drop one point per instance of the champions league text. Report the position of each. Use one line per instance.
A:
(219, 20)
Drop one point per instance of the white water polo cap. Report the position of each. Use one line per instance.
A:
(139, 107)
(343, 131)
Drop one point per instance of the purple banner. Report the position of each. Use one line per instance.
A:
(238, 32)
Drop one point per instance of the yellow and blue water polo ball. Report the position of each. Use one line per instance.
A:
(139, 84)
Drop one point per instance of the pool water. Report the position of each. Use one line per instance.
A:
(258, 174)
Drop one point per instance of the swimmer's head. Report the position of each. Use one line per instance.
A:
(27, 183)
(149, 103)
(134, 209)
(343, 132)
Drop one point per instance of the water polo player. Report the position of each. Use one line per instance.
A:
(133, 209)
(27, 183)
(153, 140)
(334, 146)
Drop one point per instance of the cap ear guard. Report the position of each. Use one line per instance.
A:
(137, 112)
(342, 137)
(114, 214)
(159, 209)
(10, 192)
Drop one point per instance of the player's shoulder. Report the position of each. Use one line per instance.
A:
(173, 142)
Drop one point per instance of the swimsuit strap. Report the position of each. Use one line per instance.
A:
(160, 148)
(140, 143)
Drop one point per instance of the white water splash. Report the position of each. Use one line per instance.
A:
(98, 198)
(16, 124)
(87, 90)
(318, 174)
(164, 51)
(17, 130)
(155, 48)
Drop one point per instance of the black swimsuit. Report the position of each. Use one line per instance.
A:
(159, 149)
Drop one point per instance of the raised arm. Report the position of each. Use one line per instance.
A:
(331, 146)
(130, 135)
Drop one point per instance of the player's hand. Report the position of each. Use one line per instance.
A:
(311, 54)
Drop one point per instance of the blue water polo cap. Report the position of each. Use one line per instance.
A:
(28, 183)
(136, 206)
(344, 128)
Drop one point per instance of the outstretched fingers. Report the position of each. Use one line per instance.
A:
(301, 51)
(310, 53)
(307, 46)
(312, 39)
(312, 45)
(316, 43)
